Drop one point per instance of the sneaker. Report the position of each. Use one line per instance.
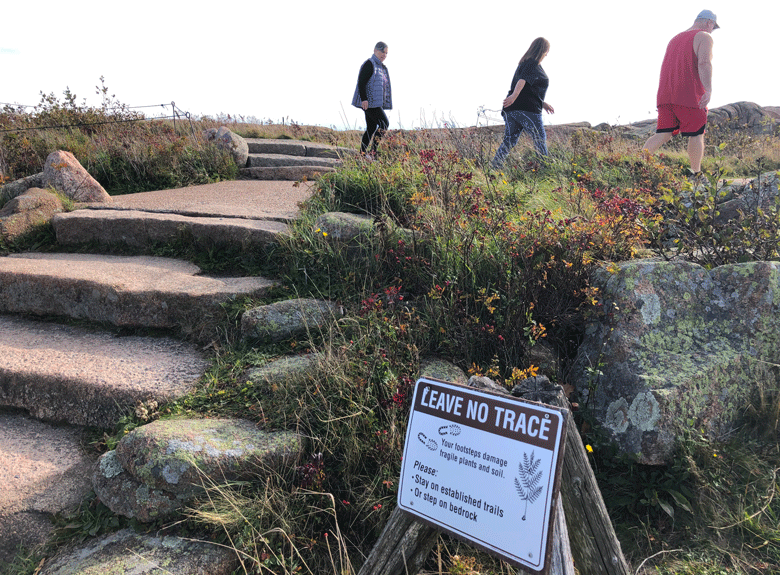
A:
(697, 178)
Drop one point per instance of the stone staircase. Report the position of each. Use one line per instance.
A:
(66, 363)
(291, 159)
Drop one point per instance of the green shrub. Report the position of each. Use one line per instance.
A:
(692, 227)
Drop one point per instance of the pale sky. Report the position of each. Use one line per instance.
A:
(298, 60)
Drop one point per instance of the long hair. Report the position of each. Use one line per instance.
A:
(536, 51)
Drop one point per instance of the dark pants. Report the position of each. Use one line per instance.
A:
(376, 124)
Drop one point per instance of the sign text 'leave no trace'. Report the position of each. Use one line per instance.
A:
(483, 467)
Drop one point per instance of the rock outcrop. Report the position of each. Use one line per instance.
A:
(128, 552)
(746, 197)
(285, 319)
(158, 467)
(679, 348)
(739, 115)
(18, 187)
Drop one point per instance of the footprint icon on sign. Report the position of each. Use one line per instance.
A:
(451, 429)
(429, 443)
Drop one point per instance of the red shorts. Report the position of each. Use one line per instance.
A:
(681, 119)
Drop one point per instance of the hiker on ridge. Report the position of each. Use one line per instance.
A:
(522, 109)
(685, 89)
(374, 96)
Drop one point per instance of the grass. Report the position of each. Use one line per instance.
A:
(482, 268)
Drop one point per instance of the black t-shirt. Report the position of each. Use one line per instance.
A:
(532, 95)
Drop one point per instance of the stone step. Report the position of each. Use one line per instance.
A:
(142, 229)
(297, 148)
(289, 173)
(133, 291)
(126, 552)
(84, 376)
(281, 160)
(43, 472)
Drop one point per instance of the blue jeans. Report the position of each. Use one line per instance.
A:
(515, 121)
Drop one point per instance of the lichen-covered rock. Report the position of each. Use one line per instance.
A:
(683, 350)
(125, 495)
(26, 211)
(63, 172)
(290, 318)
(746, 197)
(483, 382)
(183, 456)
(345, 227)
(126, 552)
(283, 371)
(442, 370)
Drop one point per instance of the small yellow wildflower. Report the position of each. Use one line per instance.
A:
(589, 449)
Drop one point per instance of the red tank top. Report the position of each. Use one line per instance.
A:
(680, 83)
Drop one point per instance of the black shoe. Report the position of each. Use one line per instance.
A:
(696, 178)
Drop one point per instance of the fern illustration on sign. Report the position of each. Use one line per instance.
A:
(527, 485)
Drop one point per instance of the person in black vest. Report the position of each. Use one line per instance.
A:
(374, 96)
(523, 105)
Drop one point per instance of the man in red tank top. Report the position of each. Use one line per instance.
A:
(685, 88)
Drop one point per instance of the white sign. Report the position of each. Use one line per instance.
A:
(484, 467)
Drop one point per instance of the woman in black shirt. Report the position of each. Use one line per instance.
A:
(523, 105)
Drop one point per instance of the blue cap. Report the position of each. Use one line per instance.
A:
(708, 15)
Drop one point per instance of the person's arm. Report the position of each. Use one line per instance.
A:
(547, 108)
(509, 100)
(366, 71)
(702, 46)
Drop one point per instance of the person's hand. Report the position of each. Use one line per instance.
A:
(364, 105)
(547, 108)
(705, 99)
(509, 100)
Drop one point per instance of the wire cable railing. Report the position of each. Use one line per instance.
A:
(176, 113)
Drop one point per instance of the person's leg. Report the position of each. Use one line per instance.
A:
(666, 126)
(535, 126)
(512, 129)
(372, 125)
(694, 124)
(366, 139)
(657, 140)
(382, 124)
(696, 152)
(376, 124)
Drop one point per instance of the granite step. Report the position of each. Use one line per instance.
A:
(142, 229)
(298, 148)
(131, 291)
(83, 376)
(44, 471)
(289, 173)
(279, 160)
